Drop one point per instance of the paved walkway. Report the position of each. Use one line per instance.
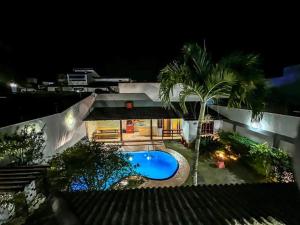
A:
(178, 179)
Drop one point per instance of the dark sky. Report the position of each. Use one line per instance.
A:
(139, 45)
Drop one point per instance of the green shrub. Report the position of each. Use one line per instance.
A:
(24, 147)
(208, 144)
(90, 165)
(269, 162)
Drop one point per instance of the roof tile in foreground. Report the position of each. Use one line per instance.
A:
(208, 205)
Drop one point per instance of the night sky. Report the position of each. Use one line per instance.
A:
(138, 46)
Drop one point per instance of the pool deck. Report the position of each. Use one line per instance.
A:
(178, 179)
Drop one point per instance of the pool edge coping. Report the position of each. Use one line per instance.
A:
(178, 179)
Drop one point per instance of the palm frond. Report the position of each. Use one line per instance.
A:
(245, 66)
(198, 60)
(189, 90)
(219, 83)
(170, 76)
(237, 77)
(249, 80)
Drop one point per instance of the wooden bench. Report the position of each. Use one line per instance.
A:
(168, 133)
(106, 134)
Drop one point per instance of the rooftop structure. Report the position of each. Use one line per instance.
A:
(217, 204)
(87, 76)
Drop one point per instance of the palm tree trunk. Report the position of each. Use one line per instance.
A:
(198, 140)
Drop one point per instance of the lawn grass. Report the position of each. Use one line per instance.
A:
(208, 173)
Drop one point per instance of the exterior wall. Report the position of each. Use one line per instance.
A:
(218, 124)
(228, 127)
(276, 123)
(151, 90)
(257, 137)
(81, 88)
(117, 100)
(51, 88)
(297, 159)
(189, 130)
(62, 130)
(289, 147)
(272, 125)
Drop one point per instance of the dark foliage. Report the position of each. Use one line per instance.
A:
(23, 147)
(90, 165)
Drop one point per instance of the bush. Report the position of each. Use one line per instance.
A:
(24, 147)
(208, 144)
(272, 163)
(89, 166)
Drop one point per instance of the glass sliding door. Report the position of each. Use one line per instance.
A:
(136, 130)
(171, 128)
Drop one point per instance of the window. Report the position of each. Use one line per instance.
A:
(207, 128)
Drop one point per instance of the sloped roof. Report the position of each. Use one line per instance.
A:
(117, 113)
(123, 97)
(145, 112)
(205, 205)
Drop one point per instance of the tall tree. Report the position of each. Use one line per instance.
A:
(237, 77)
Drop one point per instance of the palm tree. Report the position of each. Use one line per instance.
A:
(236, 77)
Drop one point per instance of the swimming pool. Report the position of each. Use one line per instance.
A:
(155, 165)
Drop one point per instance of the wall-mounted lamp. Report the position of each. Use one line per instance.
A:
(255, 124)
(70, 120)
(13, 87)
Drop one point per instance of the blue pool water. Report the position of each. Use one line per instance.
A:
(156, 165)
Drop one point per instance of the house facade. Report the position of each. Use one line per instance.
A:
(135, 117)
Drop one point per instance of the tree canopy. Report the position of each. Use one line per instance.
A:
(89, 166)
(24, 147)
(236, 77)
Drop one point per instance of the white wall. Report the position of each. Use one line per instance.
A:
(257, 137)
(62, 129)
(189, 130)
(289, 147)
(228, 127)
(276, 123)
(218, 125)
(150, 89)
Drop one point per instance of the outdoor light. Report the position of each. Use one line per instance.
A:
(148, 157)
(13, 87)
(255, 124)
(130, 158)
(70, 120)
